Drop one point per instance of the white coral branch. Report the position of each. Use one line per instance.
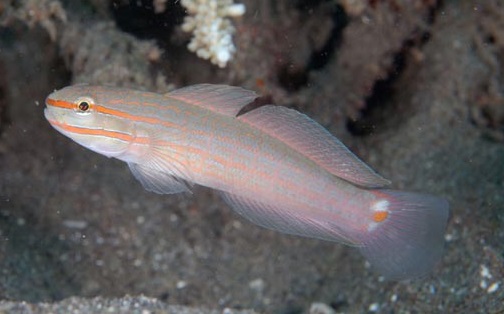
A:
(212, 30)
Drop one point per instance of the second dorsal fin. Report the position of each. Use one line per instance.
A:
(312, 140)
(224, 99)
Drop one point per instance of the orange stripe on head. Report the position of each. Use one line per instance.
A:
(60, 103)
(101, 109)
(122, 114)
(100, 132)
(143, 103)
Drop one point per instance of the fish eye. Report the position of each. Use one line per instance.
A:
(83, 105)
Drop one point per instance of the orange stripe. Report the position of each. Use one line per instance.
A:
(240, 166)
(60, 103)
(98, 132)
(181, 149)
(165, 106)
(105, 110)
(125, 115)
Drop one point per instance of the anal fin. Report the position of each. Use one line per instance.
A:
(284, 220)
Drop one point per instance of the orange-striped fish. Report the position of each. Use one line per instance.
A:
(273, 165)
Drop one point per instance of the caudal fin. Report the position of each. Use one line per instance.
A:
(409, 241)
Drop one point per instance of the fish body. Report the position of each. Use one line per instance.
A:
(273, 165)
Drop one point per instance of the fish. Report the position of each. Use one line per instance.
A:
(273, 165)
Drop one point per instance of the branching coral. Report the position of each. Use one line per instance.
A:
(45, 13)
(212, 30)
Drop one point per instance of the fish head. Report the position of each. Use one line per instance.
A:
(80, 113)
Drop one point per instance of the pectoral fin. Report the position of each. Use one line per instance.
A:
(162, 169)
(157, 181)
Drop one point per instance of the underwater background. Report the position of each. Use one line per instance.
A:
(415, 88)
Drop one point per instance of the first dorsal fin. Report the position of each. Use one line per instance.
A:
(224, 99)
(312, 140)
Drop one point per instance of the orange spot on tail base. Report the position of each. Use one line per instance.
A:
(380, 216)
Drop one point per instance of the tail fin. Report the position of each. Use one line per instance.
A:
(410, 240)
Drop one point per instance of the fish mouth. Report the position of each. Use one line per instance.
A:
(55, 120)
(52, 117)
(48, 115)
